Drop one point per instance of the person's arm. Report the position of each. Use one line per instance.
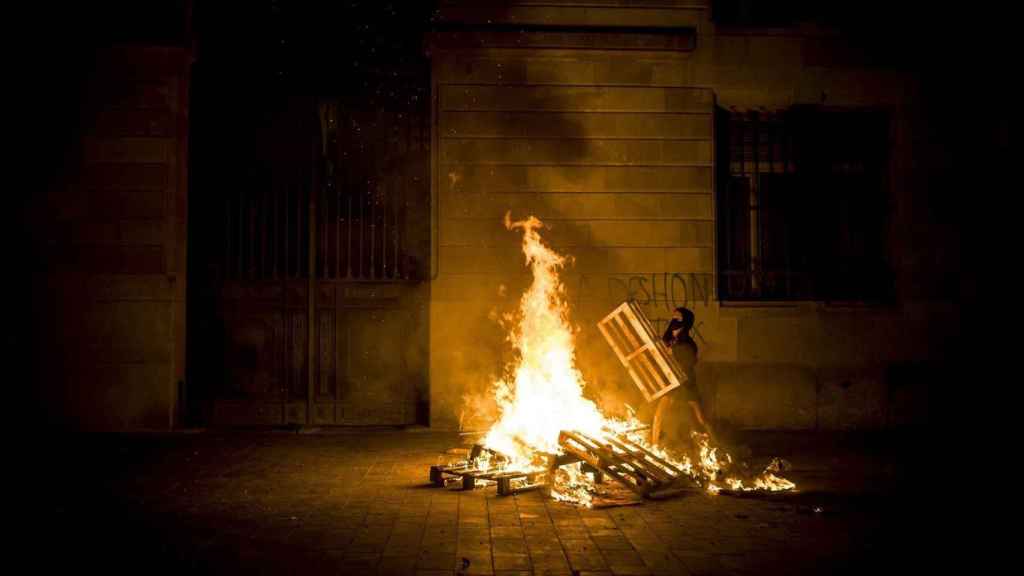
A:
(669, 337)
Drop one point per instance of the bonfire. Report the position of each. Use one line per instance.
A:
(548, 433)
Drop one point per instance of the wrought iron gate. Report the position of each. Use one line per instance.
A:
(322, 296)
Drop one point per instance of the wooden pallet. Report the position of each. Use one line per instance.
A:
(628, 463)
(509, 482)
(634, 341)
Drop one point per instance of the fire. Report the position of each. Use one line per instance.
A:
(542, 391)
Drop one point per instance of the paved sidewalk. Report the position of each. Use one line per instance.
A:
(359, 503)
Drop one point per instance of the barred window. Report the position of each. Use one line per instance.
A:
(803, 205)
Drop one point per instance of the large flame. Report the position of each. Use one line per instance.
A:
(542, 394)
(542, 391)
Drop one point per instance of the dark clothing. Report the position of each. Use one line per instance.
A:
(674, 325)
(683, 324)
(684, 350)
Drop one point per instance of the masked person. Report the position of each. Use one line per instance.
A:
(684, 349)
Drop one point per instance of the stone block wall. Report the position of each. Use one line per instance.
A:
(110, 289)
(613, 149)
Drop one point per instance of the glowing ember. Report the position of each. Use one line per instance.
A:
(541, 393)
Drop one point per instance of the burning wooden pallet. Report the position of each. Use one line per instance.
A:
(509, 482)
(628, 463)
(634, 341)
(617, 457)
(470, 474)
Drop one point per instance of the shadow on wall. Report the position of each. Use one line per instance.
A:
(483, 182)
(838, 398)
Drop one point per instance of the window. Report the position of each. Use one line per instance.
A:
(802, 205)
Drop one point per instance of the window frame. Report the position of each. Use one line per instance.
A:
(884, 280)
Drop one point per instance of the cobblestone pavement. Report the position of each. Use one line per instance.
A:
(359, 503)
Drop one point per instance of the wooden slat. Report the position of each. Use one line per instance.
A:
(625, 330)
(654, 381)
(658, 384)
(640, 382)
(637, 352)
(603, 327)
(635, 342)
(631, 315)
(640, 456)
(651, 455)
(635, 467)
(628, 463)
(670, 369)
(639, 314)
(638, 373)
(622, 337)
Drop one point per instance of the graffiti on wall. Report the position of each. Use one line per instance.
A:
(668, 290)
(659, 293)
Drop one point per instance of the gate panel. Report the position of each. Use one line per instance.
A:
(337, 202)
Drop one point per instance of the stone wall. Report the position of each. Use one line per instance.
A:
(614, 150)
(111, 287)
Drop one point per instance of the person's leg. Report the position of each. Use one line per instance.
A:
(698, 417)
(659, 413)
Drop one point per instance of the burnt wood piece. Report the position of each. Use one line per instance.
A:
(628, 463)
(639, 348)
(475, 452)
(469, 477)
(468, 474)
(532, 481)
(440, 473)
(598, 474)
(464, 473)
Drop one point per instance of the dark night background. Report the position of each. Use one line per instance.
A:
(258, 69)
(138, 370)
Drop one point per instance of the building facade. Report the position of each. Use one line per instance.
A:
(335, 222)
(771, 175)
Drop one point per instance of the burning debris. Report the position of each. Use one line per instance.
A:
(627, 462)
(550, 436)
(483, 467)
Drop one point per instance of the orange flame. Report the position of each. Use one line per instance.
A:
(542, 392)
